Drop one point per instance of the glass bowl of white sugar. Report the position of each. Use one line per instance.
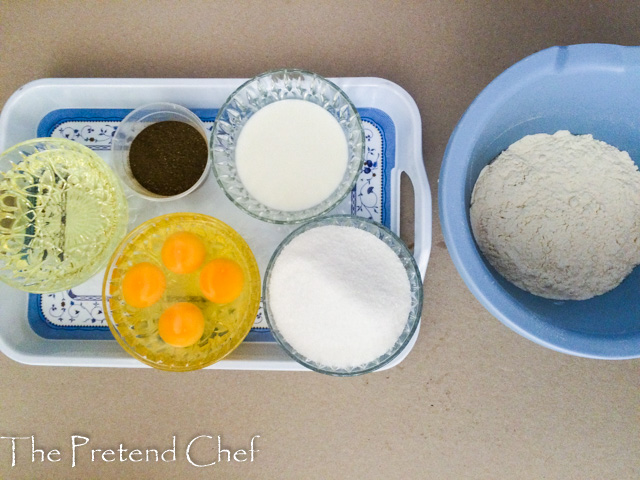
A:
(342, 295)
(287, 146)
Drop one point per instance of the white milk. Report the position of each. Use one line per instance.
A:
(291, 155)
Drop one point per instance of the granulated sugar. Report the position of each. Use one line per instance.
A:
(339, 295)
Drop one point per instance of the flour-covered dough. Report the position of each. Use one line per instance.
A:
(559, 215)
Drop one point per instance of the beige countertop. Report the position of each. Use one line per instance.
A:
(473, 400)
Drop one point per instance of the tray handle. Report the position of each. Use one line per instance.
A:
(422, 214)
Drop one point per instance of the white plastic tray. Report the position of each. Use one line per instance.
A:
(26, 108)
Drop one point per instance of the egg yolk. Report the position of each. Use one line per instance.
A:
(183, 252)
(221, 280)
(143, 285)
(181, 325)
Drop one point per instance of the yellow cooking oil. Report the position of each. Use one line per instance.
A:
(59, 216)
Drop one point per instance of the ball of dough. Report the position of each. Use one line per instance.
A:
(559, 215)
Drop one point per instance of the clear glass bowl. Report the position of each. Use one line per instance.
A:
(263, 90)
(415, 282)
(226, 325)
(62, 213)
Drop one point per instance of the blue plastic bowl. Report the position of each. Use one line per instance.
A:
(581, 88)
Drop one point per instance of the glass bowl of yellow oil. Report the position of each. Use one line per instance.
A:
(181, 291)
(62, 214)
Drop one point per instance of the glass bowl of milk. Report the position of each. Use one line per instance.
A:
(287, 146)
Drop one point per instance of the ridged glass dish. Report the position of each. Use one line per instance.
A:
(263, 90)
(226, 324)
(413, 274)
(62, 213)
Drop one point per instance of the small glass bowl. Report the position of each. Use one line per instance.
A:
(62, 213)
(133, 124)
(263, 90)
(226, 325)
(415, 282)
